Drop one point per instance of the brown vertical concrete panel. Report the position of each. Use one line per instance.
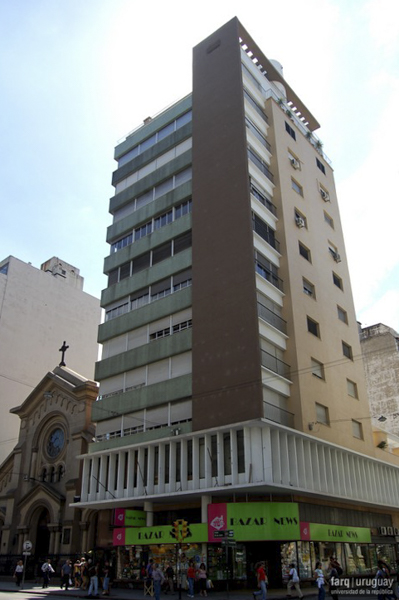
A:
(226, 353)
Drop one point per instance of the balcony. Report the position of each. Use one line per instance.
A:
(275, 364)
(270, 317)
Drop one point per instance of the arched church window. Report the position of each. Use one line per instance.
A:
(43, 476)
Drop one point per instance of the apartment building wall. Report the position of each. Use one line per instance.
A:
(38, 311)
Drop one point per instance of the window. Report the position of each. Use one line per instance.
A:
(267, 270)
(289, 130)
(322, 414)
(357, 430)
(352, 388)
(141, 262)
(313, 327)
(329, 220)
(337, 281)
(124, 271)
(257, 133)
(182, 243)
(308, 288)
(263, 197)
(300, 219)
(161, 253)
(317, 368)
(347, 350)
(324, 194)
(295, 186)
(265, 232)
(294, 160)
(260, 163)
(4, 269)
(333, 250)
(305, 252)
(342, 315)
(320, 166)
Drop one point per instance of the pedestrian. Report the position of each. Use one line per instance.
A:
(94, 570)
(293, 581)
(108, 576)
(19, 570)
(47, 570)
(169, 577)
(319, 576)
(202, 577)
(262, 580)
(183, 572)
(66, 573)
(84, 573)
(333, 577)
(191, 579)
(76, 573)
(158, 578)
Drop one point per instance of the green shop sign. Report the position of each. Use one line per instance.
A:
(164, 534)
(336, 533)
(263, 521)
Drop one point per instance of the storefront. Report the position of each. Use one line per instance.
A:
(238, 535)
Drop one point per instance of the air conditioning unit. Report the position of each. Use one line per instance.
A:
(337, 257)
(295, 163)
(382, 530)
(324, 195)
(390, 530)
(300, 222)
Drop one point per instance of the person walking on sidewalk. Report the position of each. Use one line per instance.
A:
(293, 582)
(262, 581)
(191, 579)
(19, 570)
(66, 574)
(158, 578)
(47, 570)
(319, 576)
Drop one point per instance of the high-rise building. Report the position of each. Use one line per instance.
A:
(232, 393)
(39, 310)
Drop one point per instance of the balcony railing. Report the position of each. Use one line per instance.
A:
(278, 415)
(275, 364)
(262, 166)
(268, 275)
(270, 317)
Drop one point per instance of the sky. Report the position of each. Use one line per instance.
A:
(76, 77)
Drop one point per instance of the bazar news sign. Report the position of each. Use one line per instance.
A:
(334, 533)
(254, 521)
(129, 518)
(163, 534)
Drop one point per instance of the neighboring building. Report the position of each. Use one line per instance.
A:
(41, 478)
(380, 350)
(232, 397)
(39, 310)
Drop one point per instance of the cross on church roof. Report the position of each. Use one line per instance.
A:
(63, 349)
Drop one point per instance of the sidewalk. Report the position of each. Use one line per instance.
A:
(8, 585)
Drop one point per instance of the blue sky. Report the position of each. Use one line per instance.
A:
(77, 76)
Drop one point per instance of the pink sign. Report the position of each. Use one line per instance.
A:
(119, 517)
(119, 537)
(305, 530)
(217, 521)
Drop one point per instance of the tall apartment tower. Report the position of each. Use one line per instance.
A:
(39, 310)
(230, 368)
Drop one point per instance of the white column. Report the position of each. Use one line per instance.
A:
(161, 468)
(183, 464)
(111, 474)
(131, 467)
(208, 461)
(196, 462)
(149, 514)
(220, 461)
(172, 467)
(150, 472)
(120, 492)
(234, 456)
(85, 480)
(102, 479)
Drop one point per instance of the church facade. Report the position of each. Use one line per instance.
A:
(41, 478)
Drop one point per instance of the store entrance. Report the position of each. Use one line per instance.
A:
(269, 552)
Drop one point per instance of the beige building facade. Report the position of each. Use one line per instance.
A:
(231, 384)
(39, 310)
